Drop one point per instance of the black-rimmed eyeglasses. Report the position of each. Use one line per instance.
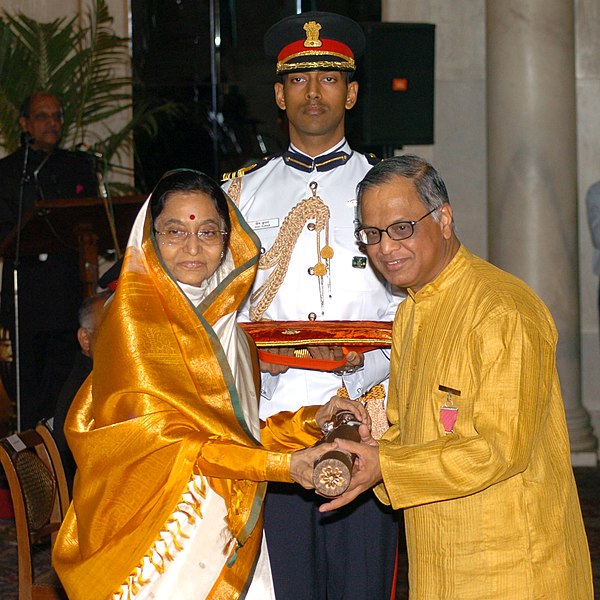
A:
(400, 230)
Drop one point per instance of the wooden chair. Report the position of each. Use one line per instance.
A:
(46, 430)
(38, 508)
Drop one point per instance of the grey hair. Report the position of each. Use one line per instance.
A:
(86, 310)
(428, 182)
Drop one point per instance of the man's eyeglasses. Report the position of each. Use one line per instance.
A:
(42, 117)
(400, 230)
(178, 237)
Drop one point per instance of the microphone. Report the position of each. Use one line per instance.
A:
(26, 138)
(83, 147)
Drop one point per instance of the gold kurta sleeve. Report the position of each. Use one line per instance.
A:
(491, 508)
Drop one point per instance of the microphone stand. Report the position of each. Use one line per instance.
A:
(215, 79)
(27, 139)
(101, 166)
(104, 192)
(99, 159)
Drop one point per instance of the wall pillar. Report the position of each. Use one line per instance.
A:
(532, 173)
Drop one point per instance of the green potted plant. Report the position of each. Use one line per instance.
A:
(80, 60)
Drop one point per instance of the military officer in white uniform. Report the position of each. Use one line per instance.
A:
(302, 206)
(350, 290)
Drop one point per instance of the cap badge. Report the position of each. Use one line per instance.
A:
(312, 29)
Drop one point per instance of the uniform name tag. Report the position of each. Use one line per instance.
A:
(264, 224)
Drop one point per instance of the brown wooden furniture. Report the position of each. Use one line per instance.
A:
(75, 225)
(38, 506)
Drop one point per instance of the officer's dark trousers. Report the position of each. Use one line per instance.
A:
(348, 554)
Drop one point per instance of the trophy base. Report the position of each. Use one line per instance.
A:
(332, 473)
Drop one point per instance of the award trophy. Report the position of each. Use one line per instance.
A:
(333, 471)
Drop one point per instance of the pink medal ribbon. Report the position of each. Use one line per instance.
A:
(448, 412)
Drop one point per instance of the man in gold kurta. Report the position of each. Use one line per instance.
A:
(478, 453)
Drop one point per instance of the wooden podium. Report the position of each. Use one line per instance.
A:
(75, 225)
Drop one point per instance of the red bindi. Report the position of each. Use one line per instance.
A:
(192, 217)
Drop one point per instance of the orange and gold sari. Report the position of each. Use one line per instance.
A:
(165, 433)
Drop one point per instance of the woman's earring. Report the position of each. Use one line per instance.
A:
(222, 254)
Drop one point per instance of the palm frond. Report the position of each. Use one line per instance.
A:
(84, 63)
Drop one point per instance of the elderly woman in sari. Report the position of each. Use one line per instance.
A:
(167, 500)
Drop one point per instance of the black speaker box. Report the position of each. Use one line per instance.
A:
(396, 79)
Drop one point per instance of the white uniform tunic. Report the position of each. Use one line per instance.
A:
(357, 293)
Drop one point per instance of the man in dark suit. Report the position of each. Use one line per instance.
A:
(49, 287)
(90, 316)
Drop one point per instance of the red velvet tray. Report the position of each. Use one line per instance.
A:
(357, 336)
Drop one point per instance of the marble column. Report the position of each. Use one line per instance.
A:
(532, 173)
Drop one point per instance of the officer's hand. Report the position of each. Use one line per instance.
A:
(272, 368)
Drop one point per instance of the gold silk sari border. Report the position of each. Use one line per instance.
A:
(235, 580)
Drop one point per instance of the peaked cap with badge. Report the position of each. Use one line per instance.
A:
(315, 41)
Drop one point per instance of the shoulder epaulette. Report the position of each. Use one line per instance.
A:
(372, 159)
(249, 169)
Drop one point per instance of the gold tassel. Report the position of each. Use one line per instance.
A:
(280, 253)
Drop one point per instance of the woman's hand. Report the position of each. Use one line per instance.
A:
(303, 462)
